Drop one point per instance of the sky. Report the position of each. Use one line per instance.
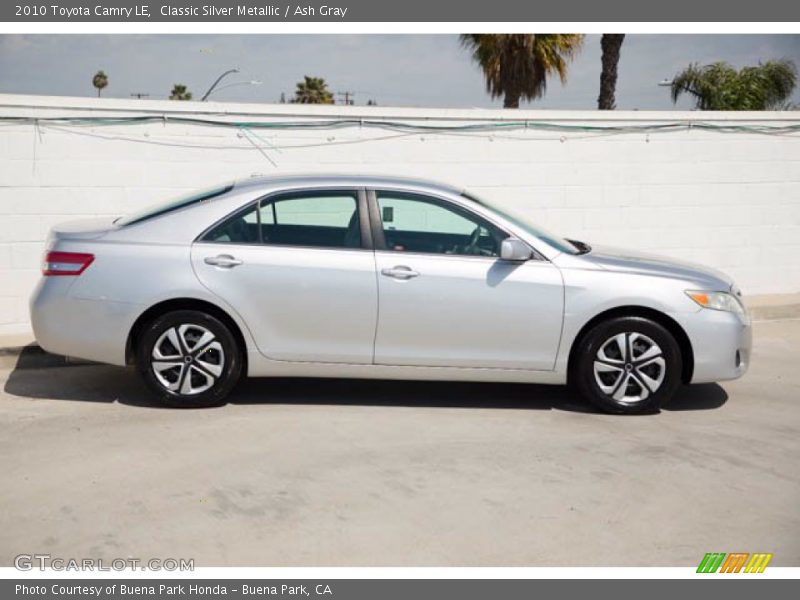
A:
(393, 70)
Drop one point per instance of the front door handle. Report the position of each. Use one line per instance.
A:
(400, 272)
(225, 261)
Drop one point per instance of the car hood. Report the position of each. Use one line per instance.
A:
(631, 261)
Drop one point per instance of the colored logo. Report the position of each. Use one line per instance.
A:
(736, 562)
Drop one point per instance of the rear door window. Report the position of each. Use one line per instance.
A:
(324, 219)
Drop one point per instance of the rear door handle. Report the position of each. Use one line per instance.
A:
(400, 272)
(225, 261)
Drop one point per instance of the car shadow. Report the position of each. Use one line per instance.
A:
(38, 375)
(700, 396)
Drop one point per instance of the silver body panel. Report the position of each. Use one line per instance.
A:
(468, 312)
(317, 312)
(301, 304)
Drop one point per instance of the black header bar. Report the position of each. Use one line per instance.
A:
(401, 11)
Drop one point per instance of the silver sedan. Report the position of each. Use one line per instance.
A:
(378, 277)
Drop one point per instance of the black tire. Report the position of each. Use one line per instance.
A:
(201, 375)
(637, 375)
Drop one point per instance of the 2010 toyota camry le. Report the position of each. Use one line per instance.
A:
(378, 277)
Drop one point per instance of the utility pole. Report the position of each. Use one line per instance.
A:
(348, 97)
(139, 95)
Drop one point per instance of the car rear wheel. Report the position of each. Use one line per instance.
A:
(189, 359)
(628, 365)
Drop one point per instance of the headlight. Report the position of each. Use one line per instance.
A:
(717, 301)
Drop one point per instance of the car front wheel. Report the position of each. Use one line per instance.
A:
(189, 359)
(628, 365)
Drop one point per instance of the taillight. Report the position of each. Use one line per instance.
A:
(66, 263)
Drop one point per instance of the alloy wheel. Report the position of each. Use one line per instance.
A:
(187, 359)
(629, 367)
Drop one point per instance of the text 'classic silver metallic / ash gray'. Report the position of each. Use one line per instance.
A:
(378, 277)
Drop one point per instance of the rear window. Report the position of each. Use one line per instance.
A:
(173, 204)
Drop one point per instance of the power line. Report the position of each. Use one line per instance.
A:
(406, 126)
(348, 98)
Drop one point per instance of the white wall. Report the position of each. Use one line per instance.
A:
(729, 200)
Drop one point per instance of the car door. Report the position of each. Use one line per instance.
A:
(299, 269)
(445, 297)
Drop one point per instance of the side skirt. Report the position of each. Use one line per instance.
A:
(259, 366)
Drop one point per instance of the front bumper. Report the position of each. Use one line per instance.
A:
(722, 344)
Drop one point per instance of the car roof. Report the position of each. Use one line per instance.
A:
(348, 180)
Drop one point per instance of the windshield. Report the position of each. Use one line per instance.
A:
(163, 208)
(522, 222)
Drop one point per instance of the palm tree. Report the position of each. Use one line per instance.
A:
(100, 80)
(312, 90)
(719, 86)
(610, 43)
(517, 65)
(179, 92)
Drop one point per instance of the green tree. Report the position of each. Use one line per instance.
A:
(611, 44)
(312, 90)
(719, 86)
(100, 80)
(179, 92)
(517, 65)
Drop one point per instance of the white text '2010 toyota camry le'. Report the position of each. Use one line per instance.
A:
(377, 277)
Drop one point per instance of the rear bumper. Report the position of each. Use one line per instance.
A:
(94, 330)
(721, 342)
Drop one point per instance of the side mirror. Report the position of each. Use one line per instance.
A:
(514, 249)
